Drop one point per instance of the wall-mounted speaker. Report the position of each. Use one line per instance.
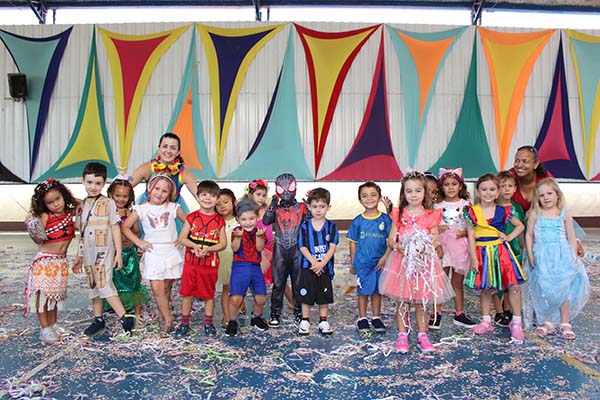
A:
(17, 85)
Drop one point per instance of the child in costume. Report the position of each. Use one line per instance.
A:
(100, 249)
(203, 235)
(369, 251)
(226, 209)
(558, 286)
(287, 214)
(455, 245)
(257, 191)
(247, 241)
(508, 187)
(163, 261)
(412, 274)
(494, 266)
(50, 225)
(317, 240)
(127, 280)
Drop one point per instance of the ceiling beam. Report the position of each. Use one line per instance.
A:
(476, 11)
(39, 9)
(256, 4)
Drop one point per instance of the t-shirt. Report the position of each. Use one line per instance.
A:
(205, 230)
(318, 242)
(247, 251)
(370, 235)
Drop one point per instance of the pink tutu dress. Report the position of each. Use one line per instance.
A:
(456, 250)
(414, 275)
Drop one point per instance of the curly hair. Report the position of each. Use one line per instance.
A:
(38, 206)
(125, 183)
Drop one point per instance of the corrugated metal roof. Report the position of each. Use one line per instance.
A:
(549, 5)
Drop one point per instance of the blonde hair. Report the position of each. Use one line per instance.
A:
(535, 201)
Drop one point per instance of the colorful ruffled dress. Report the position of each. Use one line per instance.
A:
(456, 249)
(414, 274)
(498, 266)
(558, 275)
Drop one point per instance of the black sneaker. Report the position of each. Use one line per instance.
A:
(378, 325)
(275, 321)
(128, 322)
(463, 319)
(182, 330)
(435, 321)
(97, 327)
(259, 323)
(363, 325)
(508, 315)
(232, 328)
(210, 330)
(502, 320)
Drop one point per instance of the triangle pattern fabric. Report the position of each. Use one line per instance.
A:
(510, 58)
(371, 156)
(329, 56)
(89, 140)
(555, 141)
(585, 50)
(7, 176)
(132, 60)
(469, 134)
(186, 121)
(421, 56)
(278, 146)
(229, 53)
(39, 59)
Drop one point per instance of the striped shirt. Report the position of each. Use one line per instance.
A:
(317, 242)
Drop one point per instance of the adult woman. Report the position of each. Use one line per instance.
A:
(167, 161)
(529, 170)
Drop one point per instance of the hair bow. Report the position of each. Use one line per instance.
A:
(413, 173)
(122, 177)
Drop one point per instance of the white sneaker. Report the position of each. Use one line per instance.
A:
(304, 327)
(48, 335)
(60, 331)
(324, 328)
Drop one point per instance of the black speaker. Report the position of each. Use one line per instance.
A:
(17, 85)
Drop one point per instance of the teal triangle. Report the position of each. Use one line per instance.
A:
(278, 148)
(74, 170)
(469, 134)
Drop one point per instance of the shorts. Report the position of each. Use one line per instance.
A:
(199, 280)
(246, 275)
(315, 289)
(367, 280)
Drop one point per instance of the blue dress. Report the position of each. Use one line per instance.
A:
(558, 275)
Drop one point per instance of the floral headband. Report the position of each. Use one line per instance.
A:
(413, 173)
(255, 184)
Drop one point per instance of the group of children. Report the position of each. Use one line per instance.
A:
(421, 253)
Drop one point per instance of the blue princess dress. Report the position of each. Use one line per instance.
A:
(558, 275)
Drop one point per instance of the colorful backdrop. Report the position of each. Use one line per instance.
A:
(323, 101)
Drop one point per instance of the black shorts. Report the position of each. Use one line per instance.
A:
(315, 289)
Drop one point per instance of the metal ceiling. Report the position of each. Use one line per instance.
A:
(41, 7)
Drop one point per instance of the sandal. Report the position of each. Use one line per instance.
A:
(567, 331)
(545, 329)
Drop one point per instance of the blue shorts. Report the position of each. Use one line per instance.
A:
(246, 275)
(367, 280)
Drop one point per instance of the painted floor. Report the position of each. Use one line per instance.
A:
(279, 364)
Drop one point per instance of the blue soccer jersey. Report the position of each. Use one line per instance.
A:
(318, 242)
(370, 236)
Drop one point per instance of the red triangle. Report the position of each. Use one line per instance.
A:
(133, 56)
(554, 146)
(377, 168)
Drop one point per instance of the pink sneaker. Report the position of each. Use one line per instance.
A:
(425, 344)
(516, 331)
(483, 327)
(402, 343)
